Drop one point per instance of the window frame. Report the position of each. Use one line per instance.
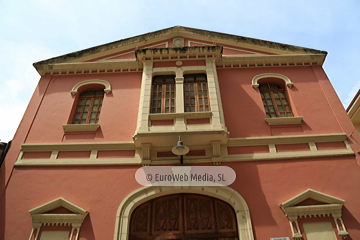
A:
(274, 101)
(196, 90)
(163, 91)
(90, 107)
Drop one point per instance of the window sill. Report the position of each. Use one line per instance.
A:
(284, 120)
(80, 127)
(187, 115)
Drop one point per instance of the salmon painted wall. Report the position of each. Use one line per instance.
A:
(244, 111)
(263, 184)
(118, 115)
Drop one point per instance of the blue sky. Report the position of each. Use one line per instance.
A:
(35, 30)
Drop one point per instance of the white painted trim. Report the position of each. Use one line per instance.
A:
(147, 193)
(107, 85)
(284, 120)
(270, 141)
(332, 207)
(80, 127)
(289, 139)
(254, 82)
(40, 217)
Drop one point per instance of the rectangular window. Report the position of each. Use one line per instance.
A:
(163, 94)
(196, 93)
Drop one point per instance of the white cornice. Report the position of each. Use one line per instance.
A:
(291, 139)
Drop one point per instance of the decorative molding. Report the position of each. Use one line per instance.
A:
(289, 139)
(178, 42)
(147, 193)
(187, 160)
(80, 127)
(79, 162)
(284, 120)
(106, 84)
(287, 155)
(212, 140)
(254, 61)
(255, 85)
(182, 53)
(214, 44)
(146, 153)
(216, 152)
(310, 193)
(87, 146)
(332, 207)
(41, 217)
(146, 133)
(109, 66)
(186, 115)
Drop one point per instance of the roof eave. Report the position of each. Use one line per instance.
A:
(168, 31)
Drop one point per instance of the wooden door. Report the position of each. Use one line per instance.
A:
(183, 217)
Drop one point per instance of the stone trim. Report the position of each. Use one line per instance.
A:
(254, 82)
(254, 61)
(178, 53)
(40, 217)
(144, 194)
(290, 139)
(216, 149)
(106, 84)
(144, 117)
(284, 120)
(332, 207)
(80, 127)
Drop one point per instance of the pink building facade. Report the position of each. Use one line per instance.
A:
(266, 110)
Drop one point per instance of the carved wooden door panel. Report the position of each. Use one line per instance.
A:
(183, 217)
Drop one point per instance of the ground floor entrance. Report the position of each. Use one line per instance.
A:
(184, 217)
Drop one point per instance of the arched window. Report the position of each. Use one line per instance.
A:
(89, 107)
(275, 102)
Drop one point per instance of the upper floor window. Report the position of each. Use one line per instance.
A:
(163, 94)
(275, 101)
(89, 107)
(196, 97)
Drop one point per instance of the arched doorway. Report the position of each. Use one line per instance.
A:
(183, 217)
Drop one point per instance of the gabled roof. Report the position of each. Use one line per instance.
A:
(173, 32)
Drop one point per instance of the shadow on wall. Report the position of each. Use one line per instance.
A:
(352, 225)
(87, 231)
(248, 185)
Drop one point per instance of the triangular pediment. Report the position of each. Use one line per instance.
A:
(311, 197)
(58, 206)
(232, 45)
(228, 50)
